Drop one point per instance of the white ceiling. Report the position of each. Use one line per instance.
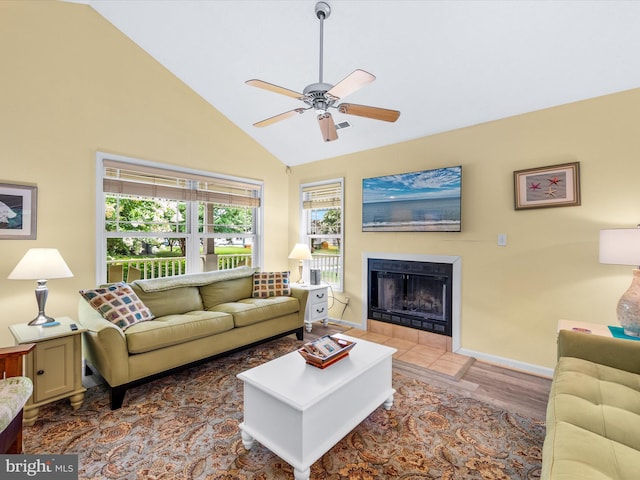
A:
(443, 64)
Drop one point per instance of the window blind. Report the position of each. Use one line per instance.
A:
(141, 180)
(328, 195)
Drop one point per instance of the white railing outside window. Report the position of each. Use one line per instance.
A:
(141, 269)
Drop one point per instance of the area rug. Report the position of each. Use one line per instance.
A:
(185, 426)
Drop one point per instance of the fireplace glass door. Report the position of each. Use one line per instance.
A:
(416, 299)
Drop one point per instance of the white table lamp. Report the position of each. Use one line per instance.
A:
(301, 252)
(41, 264)
(621, 246)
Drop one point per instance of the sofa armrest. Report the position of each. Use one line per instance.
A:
(105, 345)
(613, 352)
(302, 294)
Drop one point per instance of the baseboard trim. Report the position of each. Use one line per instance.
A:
(339, 321)
(508, 363)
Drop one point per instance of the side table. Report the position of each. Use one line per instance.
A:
(586, 327)
(54, 366)
(317, 304)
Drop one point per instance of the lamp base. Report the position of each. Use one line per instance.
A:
(629, 307)
(42, 320)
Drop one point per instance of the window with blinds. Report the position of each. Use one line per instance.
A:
(193, 221)
(322, 225)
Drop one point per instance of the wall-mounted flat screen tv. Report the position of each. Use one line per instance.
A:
(425, 201)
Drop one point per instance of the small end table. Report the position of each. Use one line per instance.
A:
(54, 365)
(317, 304)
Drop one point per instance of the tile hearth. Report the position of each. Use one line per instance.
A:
(416, 347)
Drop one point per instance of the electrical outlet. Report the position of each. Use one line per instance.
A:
(346, 300)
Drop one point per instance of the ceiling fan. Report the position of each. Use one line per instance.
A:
(323, 96)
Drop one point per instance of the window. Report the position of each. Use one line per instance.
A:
(322, 227)
(160, 221)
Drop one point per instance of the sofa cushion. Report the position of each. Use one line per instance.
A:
(228, 291)
(597, 398)
(572, 453)
(175, 329)
(193, 279)
(593, 417)
(271, 284)
(14, 392)
(253, 310)
(170, 302)
(119, 304)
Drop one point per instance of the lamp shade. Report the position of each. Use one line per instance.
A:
(301, 252)
(41, 264)
(620, 246)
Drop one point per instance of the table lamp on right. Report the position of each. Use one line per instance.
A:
(621, 246)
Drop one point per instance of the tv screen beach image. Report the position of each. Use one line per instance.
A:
(424, 201)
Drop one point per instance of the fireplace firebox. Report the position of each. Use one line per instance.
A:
(411, 293)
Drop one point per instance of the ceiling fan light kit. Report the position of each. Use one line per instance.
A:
(322, 96)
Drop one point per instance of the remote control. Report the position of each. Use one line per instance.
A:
(74, 327)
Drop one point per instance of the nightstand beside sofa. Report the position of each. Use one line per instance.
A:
(197, 317)
(593, 414)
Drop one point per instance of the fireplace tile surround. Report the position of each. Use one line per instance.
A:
(424, 349)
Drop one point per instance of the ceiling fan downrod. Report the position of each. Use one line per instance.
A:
(323, 10)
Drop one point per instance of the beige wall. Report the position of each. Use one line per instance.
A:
(71, 85)
(512, 296)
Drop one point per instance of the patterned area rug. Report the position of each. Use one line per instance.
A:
(185, 426)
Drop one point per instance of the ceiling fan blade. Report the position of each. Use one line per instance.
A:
(352, 82)
(274, 88)
(268, 121)
(327, 127)
(370, 112)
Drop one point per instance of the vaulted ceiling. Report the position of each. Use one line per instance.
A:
(444, 64)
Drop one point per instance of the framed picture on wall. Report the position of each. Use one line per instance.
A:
(552, 186)
(18, 211)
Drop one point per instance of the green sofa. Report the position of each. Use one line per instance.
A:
(197, 317)
(593, 415)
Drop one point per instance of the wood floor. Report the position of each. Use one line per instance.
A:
(511, 390)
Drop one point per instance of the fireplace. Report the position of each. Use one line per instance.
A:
(412, 294)
(453, 305)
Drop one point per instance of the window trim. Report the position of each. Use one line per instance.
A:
(101, 234)
(304, 238)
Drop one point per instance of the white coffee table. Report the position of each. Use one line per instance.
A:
(299, 411)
